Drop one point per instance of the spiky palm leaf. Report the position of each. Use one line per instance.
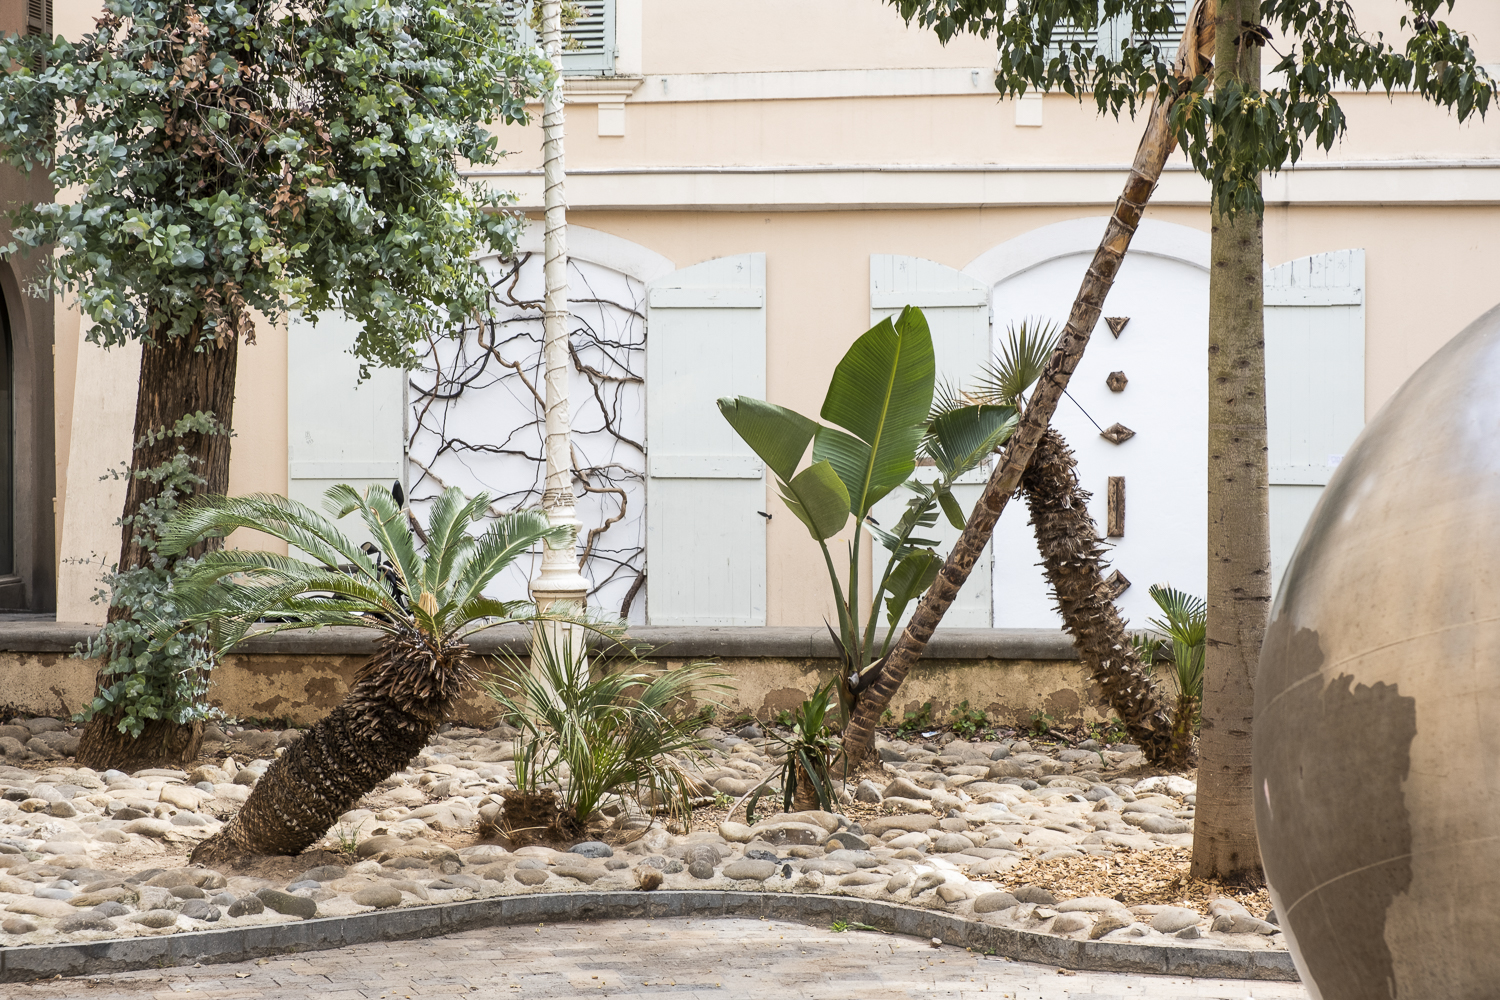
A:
(612, 730)
(1022, 358)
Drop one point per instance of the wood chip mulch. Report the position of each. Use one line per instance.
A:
(1135, 878)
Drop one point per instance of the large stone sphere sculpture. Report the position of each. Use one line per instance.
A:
(1377, 705)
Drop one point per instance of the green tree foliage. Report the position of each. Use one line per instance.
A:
(219, 158)
(1231, 135)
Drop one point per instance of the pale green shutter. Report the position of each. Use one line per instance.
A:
(338, 429)
(705, 489)
(1315, 384)
(957, 308)
(590, 47)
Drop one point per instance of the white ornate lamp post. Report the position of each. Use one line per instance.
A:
(559, 578)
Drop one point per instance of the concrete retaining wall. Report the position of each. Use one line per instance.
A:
(1010, 674)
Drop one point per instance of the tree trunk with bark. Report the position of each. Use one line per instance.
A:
(1239, 562)
(398, 701)
(1156, 145)
(176, 380)
(1071, 554)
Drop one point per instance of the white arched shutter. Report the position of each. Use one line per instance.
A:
(339, 430)
(957, 308)
(705, 488)
(1315, 384)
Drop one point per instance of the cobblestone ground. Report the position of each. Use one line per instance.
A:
(678, 958)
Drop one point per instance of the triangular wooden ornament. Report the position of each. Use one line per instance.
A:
(1117, 324)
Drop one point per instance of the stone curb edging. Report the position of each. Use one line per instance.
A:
(239, 944)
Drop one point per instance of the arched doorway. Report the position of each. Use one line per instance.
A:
(1162, 294)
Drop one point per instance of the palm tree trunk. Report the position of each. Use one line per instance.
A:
(1156, 145)
(1239, 563)
(398, 701)
(1069, 544)
(176, 380)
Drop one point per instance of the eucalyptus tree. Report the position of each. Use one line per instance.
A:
(423, 606)
(1233, 129)
(223, 160)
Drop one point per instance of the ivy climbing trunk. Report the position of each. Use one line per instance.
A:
(177, 379)
(1069, 543)
(1239, 561)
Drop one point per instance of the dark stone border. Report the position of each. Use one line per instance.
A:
(37, 635)
(31, 962)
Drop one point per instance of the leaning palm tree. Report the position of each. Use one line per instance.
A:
(1072, 556)
(424, 607)
(1194, 58)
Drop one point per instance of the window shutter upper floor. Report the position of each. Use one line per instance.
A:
(1111, 34)
(705, 488)
(1315, 383)
(39, 17)
(589, 48)
(957, 308)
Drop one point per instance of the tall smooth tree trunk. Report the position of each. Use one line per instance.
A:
(1239, 561)
(397, 702)
(176, 380)
(1069, 543)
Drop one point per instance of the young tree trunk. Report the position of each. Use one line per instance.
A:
(176, 380)
(398, 701)
(1069, 544)
(1239, 563)
(1156, 145)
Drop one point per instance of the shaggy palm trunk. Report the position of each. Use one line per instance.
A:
(398, 701)
(1071, 553)
(176, 380)
(1239, 563)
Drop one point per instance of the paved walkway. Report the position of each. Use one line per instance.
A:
(679, 958)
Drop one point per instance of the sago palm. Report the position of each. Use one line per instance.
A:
(424, 605)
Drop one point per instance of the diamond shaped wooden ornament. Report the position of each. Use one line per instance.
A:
(1117, 324)
(1116, 584)
(1117, 433)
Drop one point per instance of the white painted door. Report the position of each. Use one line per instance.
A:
(339, 430)
(705, 488)
(957, 308)
(1315, 384)
(1163, 353)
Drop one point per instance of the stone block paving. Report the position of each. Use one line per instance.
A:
(668, 959)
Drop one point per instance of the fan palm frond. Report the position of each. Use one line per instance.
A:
(1023, 356)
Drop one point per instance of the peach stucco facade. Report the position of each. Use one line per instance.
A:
(819, 134)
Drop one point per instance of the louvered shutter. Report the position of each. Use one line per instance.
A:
(1112, 33)
(1315, 384)
(39, 22)
(705, 488)
(590, 48)
(339, 430)
(957, 308)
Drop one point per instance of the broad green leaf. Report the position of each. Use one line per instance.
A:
(950, 506)
(958, 440)
(910, 579)
(778, 435)
(880, 394)
(818, 498)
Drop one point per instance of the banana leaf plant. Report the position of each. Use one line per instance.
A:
(881, 421)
